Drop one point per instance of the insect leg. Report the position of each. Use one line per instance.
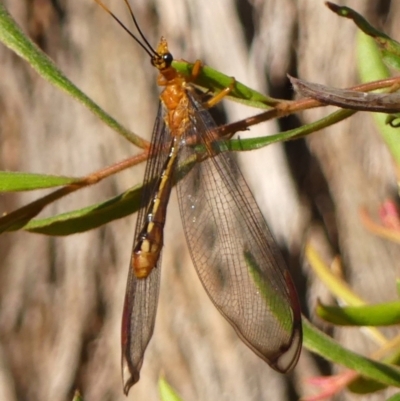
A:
(220, 95)
(197, 66)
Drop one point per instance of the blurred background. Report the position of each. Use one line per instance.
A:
(61, 298)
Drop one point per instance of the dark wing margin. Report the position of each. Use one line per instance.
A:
(235, 255)
(141, 299)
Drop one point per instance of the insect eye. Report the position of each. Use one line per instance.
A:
(167, 57)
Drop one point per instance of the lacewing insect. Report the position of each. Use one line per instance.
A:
(235, 256)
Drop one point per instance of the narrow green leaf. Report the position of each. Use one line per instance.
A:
(338, 287)
(243, 144)
(319, 343)
(371, 68)
(11, 181)
(335, 284)
(167, 393)
(388, 47)
(16, 219)
(215, 81)
(369, 60)
(90, 217)
(384, 314)
(364, 385)
(13, 37)
(373, 49)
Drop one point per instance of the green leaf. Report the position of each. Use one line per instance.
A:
(13, 37)
(243, 144)
(167, 393)
(18, 218)
(335, 284)
(319, 343)
(90, 217)
(338, 287)
(369, 61)
(11, 181)
(374, 48)
(384, 314)
(215, 81)
(389, 48)
(363, 385)
(371, 68)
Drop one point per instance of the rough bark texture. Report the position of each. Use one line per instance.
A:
(61, 298)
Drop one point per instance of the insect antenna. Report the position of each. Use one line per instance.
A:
(137, 26)
(149, 49)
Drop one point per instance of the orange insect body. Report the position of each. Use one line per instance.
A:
(174, 98)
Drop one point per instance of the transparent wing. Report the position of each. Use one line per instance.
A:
(141, 297)
(235, 255)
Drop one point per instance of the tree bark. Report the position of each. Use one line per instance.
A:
(61, 298)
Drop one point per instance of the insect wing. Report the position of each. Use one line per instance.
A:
(141, 297)
(234, 253)
(138, 320)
